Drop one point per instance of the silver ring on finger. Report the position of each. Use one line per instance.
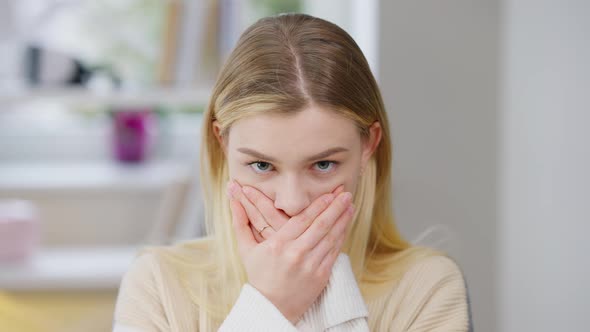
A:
(262, 229)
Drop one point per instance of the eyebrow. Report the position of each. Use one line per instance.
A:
(317, 156)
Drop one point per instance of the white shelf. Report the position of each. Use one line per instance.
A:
(68, 269)
(198, 96)
(91, 176)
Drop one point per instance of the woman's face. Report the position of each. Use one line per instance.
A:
(293, 159)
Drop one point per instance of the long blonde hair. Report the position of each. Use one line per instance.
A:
(283, 64)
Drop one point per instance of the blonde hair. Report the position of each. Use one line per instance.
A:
(284, 64)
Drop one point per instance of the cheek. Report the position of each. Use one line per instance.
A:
(348, 176)
(244, 175)
(237, 170)
(350, 184)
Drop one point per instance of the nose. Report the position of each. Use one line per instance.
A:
(291, 197)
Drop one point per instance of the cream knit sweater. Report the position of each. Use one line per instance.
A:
(431, 296)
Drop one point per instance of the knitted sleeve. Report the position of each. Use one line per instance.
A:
(138, 303)
(431, 297)
(140, 306)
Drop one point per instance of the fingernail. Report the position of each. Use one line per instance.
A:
(346, 197)
(350, 210)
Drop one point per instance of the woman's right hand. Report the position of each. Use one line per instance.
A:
(292, 266)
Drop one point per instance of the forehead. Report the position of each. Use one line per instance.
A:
(309, 131)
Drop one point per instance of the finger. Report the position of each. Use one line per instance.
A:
(257, 236)
(252, 212)
(244, 237)
(265, 205)
(328, 262)
(302, 221)
(328, 242)
(338, 190)
(299, 223)
(324, 222)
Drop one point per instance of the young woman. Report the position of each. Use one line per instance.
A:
(296, 164)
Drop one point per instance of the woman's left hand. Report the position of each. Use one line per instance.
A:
(258, 206)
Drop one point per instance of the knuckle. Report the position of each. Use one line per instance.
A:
(331, 240)
(308, 213)
(322, 272)
(324, 203)
(292, 259)
(302, 217)
(323, 224)
(309, 268)
(275, 247)
(295, 256)
(312, 211)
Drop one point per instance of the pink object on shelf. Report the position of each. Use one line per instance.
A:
(134, 131)
(19, 230)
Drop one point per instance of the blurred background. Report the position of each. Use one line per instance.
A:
(100, 110)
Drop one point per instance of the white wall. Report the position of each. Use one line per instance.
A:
(438, 75)
(545, 160)
(5, 19)
(489, 104)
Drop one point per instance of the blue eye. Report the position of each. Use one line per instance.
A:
(325, 166)
(263, 167)
(260, 166)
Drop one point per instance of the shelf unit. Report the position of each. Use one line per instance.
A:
(198, 96)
